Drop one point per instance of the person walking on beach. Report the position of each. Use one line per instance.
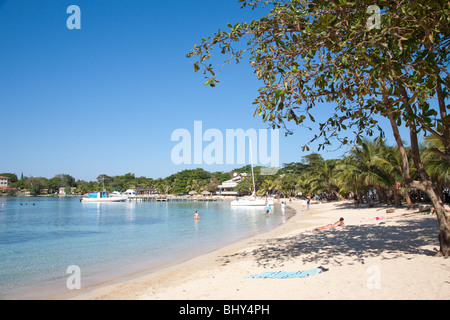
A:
(307, 202)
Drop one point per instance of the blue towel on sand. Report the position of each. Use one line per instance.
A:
(288, 275)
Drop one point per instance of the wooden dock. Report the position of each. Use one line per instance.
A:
(173, 198)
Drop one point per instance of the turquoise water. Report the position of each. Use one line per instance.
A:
(41, 237)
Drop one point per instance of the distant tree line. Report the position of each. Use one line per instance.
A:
(370, 169)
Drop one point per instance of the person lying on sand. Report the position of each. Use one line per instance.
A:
(433, 210)
(339, 223)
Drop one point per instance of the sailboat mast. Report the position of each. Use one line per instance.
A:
(251, 162)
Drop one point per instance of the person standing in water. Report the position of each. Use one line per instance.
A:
(196, 215)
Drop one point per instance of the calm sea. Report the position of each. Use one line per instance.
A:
(41, 237)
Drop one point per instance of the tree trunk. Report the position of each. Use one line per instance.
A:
(409, 203)
(425, 185)
(382, 195)
(397, 199)
(444, 223)
(428, 187)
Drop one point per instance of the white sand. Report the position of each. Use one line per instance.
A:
(390, 258)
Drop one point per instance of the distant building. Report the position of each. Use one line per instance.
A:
(227, 187)
(23, 192)
(145, 191)
(4, 182)
(62, 191)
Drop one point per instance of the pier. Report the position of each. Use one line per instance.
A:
(162, 198)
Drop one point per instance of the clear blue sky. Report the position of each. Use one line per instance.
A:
(106, 98)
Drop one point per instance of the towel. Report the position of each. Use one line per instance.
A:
(288, 275)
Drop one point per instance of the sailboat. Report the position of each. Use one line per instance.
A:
(250, 200)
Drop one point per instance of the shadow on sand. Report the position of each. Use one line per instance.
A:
(349, 245)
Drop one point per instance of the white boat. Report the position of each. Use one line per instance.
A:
(103, 196)
(130, 192)
(116, 194)
(251, 200)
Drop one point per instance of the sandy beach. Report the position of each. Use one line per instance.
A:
(376, 255)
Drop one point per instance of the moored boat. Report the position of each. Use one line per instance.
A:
(249, 201)
(103, 196)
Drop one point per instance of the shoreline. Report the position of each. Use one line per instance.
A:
(85, 292)
(376, 255)
(98, 275)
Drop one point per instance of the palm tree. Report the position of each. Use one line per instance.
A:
(192, 185)
(372, 165)
(389, 161)
(159, 186)
(287, 184)
(268, 185)
(303, 183)
(348, 176)
(437, 168)
(322, 179)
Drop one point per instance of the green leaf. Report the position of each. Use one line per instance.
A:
(211, 82)
(279, 92)
(196, 67)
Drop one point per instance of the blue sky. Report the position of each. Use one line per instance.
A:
(106, 98)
